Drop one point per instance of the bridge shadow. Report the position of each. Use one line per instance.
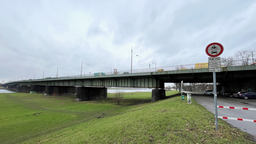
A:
(171, 96)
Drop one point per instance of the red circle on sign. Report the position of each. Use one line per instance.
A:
(214, 43)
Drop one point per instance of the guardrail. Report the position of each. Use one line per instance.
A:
(144, 70)
(239, 108)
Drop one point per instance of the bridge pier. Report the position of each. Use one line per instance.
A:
(48, 90)
(37, 88)
(157, 94)
(58, 90)
(18, 89)
(22, 88)
(90, 93)
(9, 87)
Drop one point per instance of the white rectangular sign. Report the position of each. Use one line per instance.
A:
(189, 98)
(214, 64)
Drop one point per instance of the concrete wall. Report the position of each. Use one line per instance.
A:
(157, 94)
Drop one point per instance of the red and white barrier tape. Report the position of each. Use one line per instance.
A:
(239, 119)
(241, 108)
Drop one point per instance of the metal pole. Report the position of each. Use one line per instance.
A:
(215, 101)
(81, 68)
(57, 72)
(131, 59)
(181, 87)
(43, 74)
(252, 57)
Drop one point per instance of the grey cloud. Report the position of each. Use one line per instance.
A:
(37, 36)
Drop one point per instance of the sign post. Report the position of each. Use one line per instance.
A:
(189, 98)
(181, 83)
(214, 50)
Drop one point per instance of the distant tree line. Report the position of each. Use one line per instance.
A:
(241, 58)
(199, 87)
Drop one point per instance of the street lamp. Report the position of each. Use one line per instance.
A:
(82, 69)
(44, 72)
(131, 58)
(155, 65)
(57, 72)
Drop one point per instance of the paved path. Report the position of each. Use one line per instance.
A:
(249, 127)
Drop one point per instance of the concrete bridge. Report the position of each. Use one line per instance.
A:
(95, 87)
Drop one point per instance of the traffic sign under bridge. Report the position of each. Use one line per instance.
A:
(214, 64)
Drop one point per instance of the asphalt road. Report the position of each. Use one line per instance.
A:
(249, 127)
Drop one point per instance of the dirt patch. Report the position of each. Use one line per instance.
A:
(162, 111)
(35, 114)
(101, 116)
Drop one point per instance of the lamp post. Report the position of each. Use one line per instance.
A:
(82, 69)
(131, 58)
(44, 73)
(252, 57)
(155, 65)
(57, 72)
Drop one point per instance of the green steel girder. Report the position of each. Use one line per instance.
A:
(149, 79)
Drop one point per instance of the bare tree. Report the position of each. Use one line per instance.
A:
(118, 97)
(253, 56)
(244, 56)
(230, 61)
(168, 87)
(197, 87)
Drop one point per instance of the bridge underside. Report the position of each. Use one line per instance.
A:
(82, 93)
(142, 82)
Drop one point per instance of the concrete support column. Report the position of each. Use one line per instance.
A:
(90, 93)
(157, 94)
(62, 90)
(97, 93)
(71, 90)
(11, 88)
(18, 88)
(79, 93)
(48, 90)
(25, 89)
(37, 88)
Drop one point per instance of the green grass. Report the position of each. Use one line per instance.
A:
(35, 118)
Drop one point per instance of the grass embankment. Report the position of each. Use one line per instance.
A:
(35, 118)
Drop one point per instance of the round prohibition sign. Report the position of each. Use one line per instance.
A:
(214, 49)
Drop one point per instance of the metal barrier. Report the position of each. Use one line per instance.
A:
(239, 119)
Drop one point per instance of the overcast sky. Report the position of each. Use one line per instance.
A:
(43, 35)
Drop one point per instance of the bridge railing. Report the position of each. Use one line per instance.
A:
(238, 62)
